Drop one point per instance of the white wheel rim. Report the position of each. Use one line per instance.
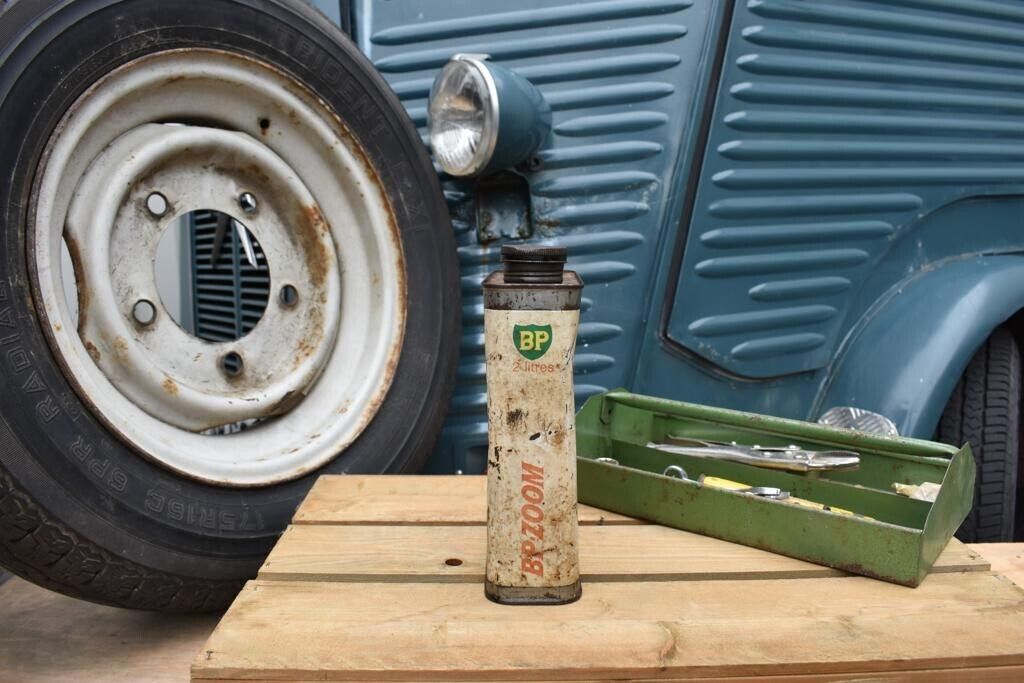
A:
(321, 366)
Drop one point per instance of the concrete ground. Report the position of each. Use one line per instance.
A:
(47, 637)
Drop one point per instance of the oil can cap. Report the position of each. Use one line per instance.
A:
(533, 264)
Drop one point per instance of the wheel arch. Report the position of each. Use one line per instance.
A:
(909, 351)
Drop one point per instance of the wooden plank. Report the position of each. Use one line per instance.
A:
(607, 553)
(1006, 558)
(989, 674)
(416, 631)
(414, 500)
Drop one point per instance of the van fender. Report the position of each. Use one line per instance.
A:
(906, 356)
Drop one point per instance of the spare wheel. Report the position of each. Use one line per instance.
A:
(144, 463)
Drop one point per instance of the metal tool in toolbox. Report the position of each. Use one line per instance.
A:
(531, 315)
(771, 492)
(791, 458)
(686, 466)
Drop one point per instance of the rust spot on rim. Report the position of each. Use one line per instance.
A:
(312, 232)
(310, 226)
(308, 345)
(121, 347)
(170, 386)
(94, 353)
(84, 293)
(287, 402)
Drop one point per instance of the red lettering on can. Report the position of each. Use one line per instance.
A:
(532, 519)
(533, 474)
(532, 493)
(535, 530)
(533, 566)
(533, 513)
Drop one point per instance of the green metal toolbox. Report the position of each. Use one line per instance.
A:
(890, 536)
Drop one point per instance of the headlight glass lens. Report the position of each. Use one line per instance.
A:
(463, 125)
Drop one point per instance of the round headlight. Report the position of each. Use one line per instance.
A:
(463, 116)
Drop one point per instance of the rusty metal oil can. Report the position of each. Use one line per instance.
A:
(531, 316)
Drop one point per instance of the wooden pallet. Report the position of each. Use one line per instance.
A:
(381, 578)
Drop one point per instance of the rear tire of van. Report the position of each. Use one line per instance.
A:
(984, 411)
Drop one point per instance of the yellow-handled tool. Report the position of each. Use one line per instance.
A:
(773, 494)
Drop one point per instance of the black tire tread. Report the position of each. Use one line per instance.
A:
(46, 552)
(984, 411)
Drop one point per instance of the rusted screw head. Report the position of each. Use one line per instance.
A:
(232, 365)
(247, 201)
(144, 312)
(157, 205)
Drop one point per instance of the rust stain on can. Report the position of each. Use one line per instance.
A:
(515, 418)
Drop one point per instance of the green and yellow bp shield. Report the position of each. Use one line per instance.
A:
(532, 341)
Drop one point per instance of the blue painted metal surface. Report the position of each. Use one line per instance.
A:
(832, 138)
(622, 77)
(847, 158)
(945, 314)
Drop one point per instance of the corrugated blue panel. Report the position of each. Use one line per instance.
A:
(838, 126)
(621, 77)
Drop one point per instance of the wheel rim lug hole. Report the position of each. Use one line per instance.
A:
(247, 202)
(157, 204)
(232, 365)
(289, 296)
(144, 312)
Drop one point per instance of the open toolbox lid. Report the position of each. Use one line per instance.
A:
(890, 537)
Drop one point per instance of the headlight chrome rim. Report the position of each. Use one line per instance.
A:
(491, 119)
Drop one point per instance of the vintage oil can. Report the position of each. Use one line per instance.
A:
(531, 316)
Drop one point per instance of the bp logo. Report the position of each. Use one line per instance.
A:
(532, 341)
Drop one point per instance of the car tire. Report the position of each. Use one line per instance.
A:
(984, 411)
(86, 513)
